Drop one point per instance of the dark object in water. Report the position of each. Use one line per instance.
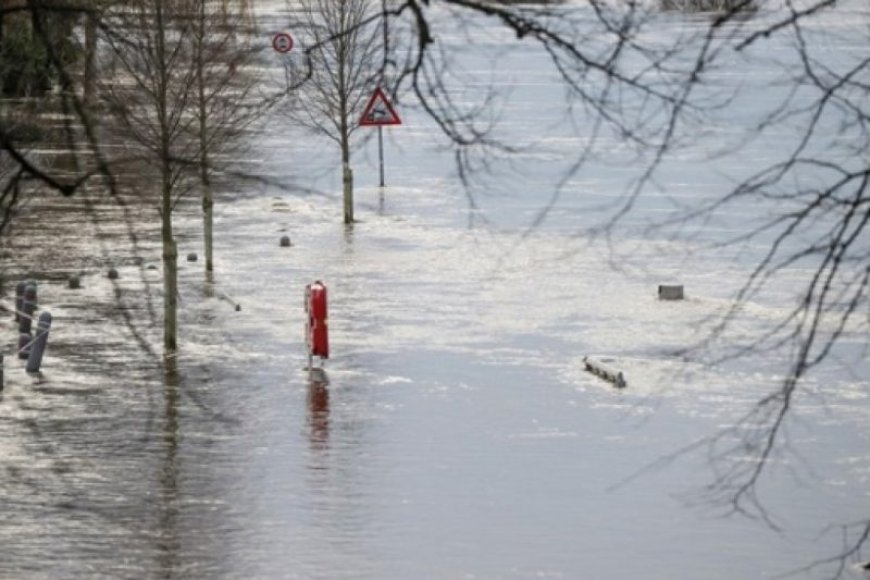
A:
(670, 292)
(600, 367)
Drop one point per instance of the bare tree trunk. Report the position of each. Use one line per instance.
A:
(170, 252)
(346, 177)
(344, 130)
(170, 267)
(207, 215)
(207, 195)
(346, 66)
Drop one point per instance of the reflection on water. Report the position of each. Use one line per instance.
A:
(348, 238)
(169, 542)
(209, 288)
(318, 409)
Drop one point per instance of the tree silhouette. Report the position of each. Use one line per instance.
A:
(653, 95)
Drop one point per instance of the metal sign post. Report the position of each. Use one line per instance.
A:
(379, 112)
(381, 152)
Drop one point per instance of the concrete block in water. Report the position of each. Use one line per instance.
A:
(670, 292)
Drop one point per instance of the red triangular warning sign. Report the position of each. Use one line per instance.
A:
(379, 111)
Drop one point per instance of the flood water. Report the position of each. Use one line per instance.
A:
(456, 433)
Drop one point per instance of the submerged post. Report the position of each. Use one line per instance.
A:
(19, 298)
(32, 293)
(28, 307)
(24, 344)
(34, 359)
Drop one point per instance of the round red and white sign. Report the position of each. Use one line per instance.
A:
(282, 42)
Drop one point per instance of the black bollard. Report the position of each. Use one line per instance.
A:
(192, 257)
(24, 345)
(112, 274)
(285, 241)
(19, 298)
(74, 282)
(34, 360)
(28, 307)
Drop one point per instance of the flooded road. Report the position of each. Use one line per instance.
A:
(456, 433)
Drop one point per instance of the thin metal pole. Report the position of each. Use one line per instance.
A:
(381, 151)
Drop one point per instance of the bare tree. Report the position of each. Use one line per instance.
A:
(651, 95)
(221, 50)
(344, 66)
(153, 95)
(820, 183)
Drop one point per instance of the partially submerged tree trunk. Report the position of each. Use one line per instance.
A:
(170, 269)
(184, 103)
(344, 129)
(170, 251)
(347, 190)
(202, 113)
(207, 214)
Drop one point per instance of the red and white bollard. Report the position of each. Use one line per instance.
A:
(316, 330)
